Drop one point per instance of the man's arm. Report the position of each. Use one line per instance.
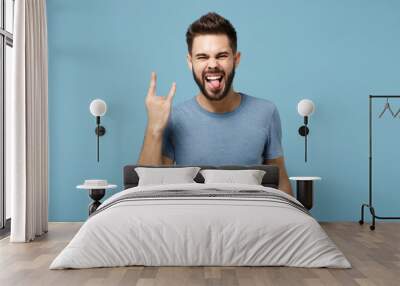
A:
(284, 184)
(167, 161)
(158, 111)
(151, 150)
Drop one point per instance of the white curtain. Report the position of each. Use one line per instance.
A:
(27, 123)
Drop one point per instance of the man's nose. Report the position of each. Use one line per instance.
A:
(212, 63)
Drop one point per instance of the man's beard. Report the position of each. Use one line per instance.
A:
(228, 83)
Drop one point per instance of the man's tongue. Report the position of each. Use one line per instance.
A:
(215, 84)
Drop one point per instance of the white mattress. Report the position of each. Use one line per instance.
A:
(201, 231)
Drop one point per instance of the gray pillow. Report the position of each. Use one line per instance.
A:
(163, 176)
(249, 177)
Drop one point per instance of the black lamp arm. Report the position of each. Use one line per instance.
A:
(303, 131)
(100, 131)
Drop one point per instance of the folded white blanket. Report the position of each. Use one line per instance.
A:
(201, 224)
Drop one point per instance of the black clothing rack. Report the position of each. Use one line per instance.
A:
(370, 205)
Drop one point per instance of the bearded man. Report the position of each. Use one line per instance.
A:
(218, 126)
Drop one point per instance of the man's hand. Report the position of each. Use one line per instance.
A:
(284, 184)
(158, 111)
(158, 107)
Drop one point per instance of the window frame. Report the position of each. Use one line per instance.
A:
(6, 39)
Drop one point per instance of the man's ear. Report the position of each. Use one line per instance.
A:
(189, 61)
(237, 59)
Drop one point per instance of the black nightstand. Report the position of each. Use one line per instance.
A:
(304, 193)
(97, 190)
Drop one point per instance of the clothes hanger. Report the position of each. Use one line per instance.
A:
(398, 111)
(387, 106)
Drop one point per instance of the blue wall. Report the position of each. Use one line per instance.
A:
(333, 52)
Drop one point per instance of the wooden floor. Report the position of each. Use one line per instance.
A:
(374, 255)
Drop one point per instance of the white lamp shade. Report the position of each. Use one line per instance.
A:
(305, 107)
(98, 107)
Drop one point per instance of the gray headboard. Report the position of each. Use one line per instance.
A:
(271, 177)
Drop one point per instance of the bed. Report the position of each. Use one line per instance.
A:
(198, 224)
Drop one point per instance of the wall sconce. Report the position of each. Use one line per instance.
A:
(305, 108)
(98, 108)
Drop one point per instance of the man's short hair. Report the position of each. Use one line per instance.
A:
(211, 23)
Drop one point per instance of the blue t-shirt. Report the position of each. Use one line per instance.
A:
(245, 136)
